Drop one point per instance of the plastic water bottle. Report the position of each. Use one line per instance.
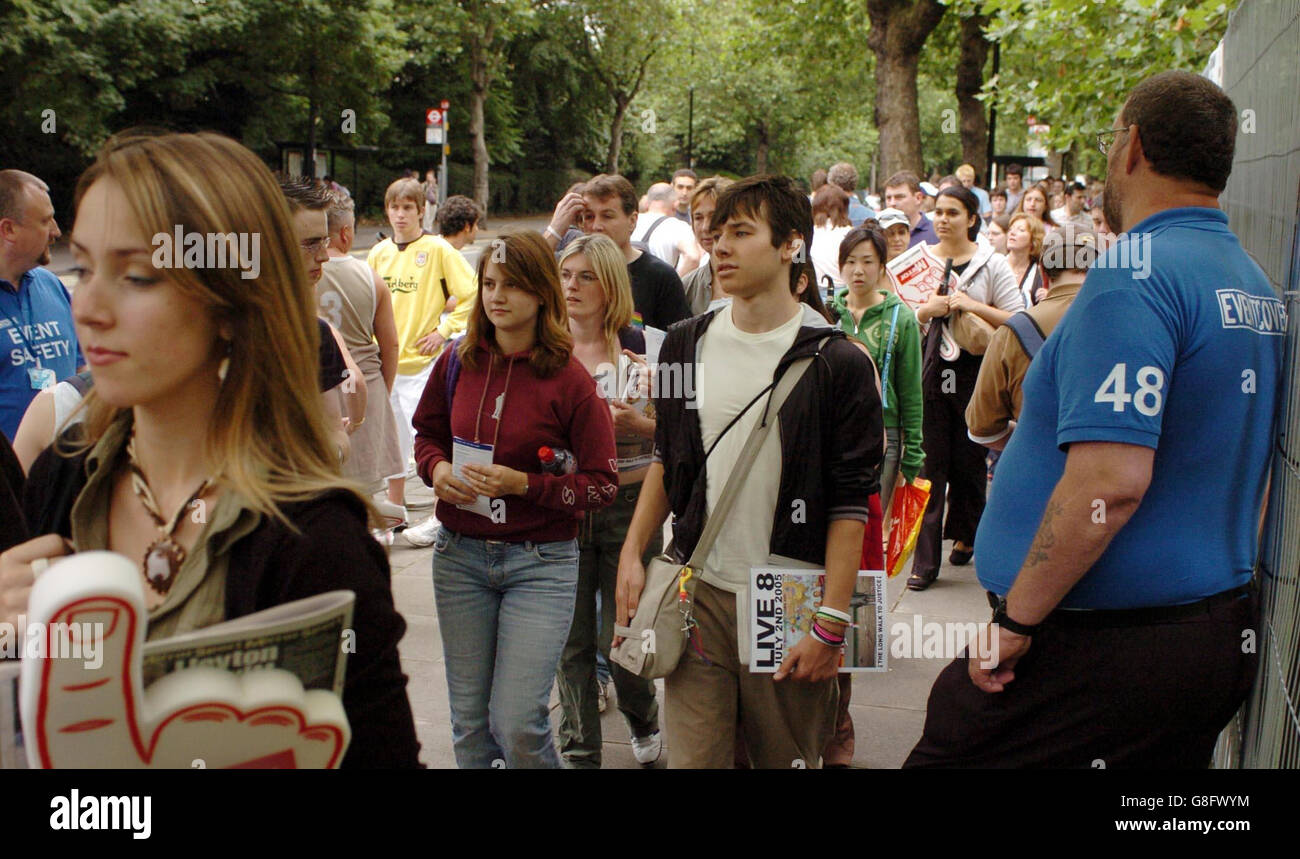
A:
(557, 460)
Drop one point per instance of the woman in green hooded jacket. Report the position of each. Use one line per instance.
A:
(869, 310)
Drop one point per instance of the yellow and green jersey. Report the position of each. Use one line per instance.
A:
(415, 274)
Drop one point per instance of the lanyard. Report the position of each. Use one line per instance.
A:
(889, 355)
(510, 365)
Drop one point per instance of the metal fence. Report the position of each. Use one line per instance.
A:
(1260, 67)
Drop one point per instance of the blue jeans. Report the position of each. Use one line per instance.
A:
(504, 611)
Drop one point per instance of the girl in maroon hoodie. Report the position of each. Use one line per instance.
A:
(505, 573)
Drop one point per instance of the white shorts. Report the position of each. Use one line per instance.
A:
(407, 391)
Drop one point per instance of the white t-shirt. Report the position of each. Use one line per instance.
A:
(734, 367)
(825, 253)
(666, 237)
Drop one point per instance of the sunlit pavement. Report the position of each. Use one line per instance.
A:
(888, 708)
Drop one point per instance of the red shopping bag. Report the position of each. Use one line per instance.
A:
(905, 514)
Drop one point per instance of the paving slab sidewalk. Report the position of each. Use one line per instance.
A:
(888, 708)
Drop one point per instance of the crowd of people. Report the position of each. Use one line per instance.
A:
(297, 403)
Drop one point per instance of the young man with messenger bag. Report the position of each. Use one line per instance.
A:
(802, 503)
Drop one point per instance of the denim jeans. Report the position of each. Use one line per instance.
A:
(504, 611)
(600, 542)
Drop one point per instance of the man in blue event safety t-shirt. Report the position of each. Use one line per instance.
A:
(1121, 533)
(38, 345)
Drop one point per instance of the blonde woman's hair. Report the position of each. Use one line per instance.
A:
(271, 440)
(608, 263)
(1037, 232)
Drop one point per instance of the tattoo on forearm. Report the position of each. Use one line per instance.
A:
(1045, 539)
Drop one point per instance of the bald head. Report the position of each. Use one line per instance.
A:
(661, 198)
(13, 192)
(27, 224)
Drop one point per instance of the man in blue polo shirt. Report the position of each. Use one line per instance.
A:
(1119, 539)
(38, 345)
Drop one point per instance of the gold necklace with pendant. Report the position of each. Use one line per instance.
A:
(163, 558)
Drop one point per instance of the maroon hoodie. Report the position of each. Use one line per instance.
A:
(562, 411)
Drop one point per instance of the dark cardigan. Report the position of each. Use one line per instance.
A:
(273, 565)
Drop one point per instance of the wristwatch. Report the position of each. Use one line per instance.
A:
(1001, 619)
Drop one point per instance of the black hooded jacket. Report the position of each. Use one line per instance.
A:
(832, 438)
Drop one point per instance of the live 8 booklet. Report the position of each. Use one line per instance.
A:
(781, 607)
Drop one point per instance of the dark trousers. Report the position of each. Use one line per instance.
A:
(600, 540)
(955, 467)
(1151, 696)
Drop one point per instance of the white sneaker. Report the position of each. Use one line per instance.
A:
(646, 750)
(394, 515)
(421, 536)
(602, 697)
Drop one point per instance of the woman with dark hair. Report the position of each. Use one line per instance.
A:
(831, 224)
(811, 296)
(954, 464)
(870, 311)
(500, 407)
(997, 233)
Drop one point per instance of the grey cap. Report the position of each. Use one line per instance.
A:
(1069, 246)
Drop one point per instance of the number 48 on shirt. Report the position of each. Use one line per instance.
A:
(1148, 397)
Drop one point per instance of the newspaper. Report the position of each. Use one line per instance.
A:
(781, 607)
(304, 637)
(632, 383)
(917, 274)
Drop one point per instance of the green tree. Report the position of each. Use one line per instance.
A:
(319, 60)
(899, 29)
(616, 41)
(1069, 64)
(486, 28)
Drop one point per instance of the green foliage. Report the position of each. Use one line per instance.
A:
(790, 82)
(1069, 62)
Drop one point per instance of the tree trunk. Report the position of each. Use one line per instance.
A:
(616, 134)
(477, 99)
(899, 29)
(764, 145)
(309, 166)
(970, 78)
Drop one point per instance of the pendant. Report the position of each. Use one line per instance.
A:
(162, 561)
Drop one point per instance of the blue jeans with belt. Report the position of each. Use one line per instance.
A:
(504, 611)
